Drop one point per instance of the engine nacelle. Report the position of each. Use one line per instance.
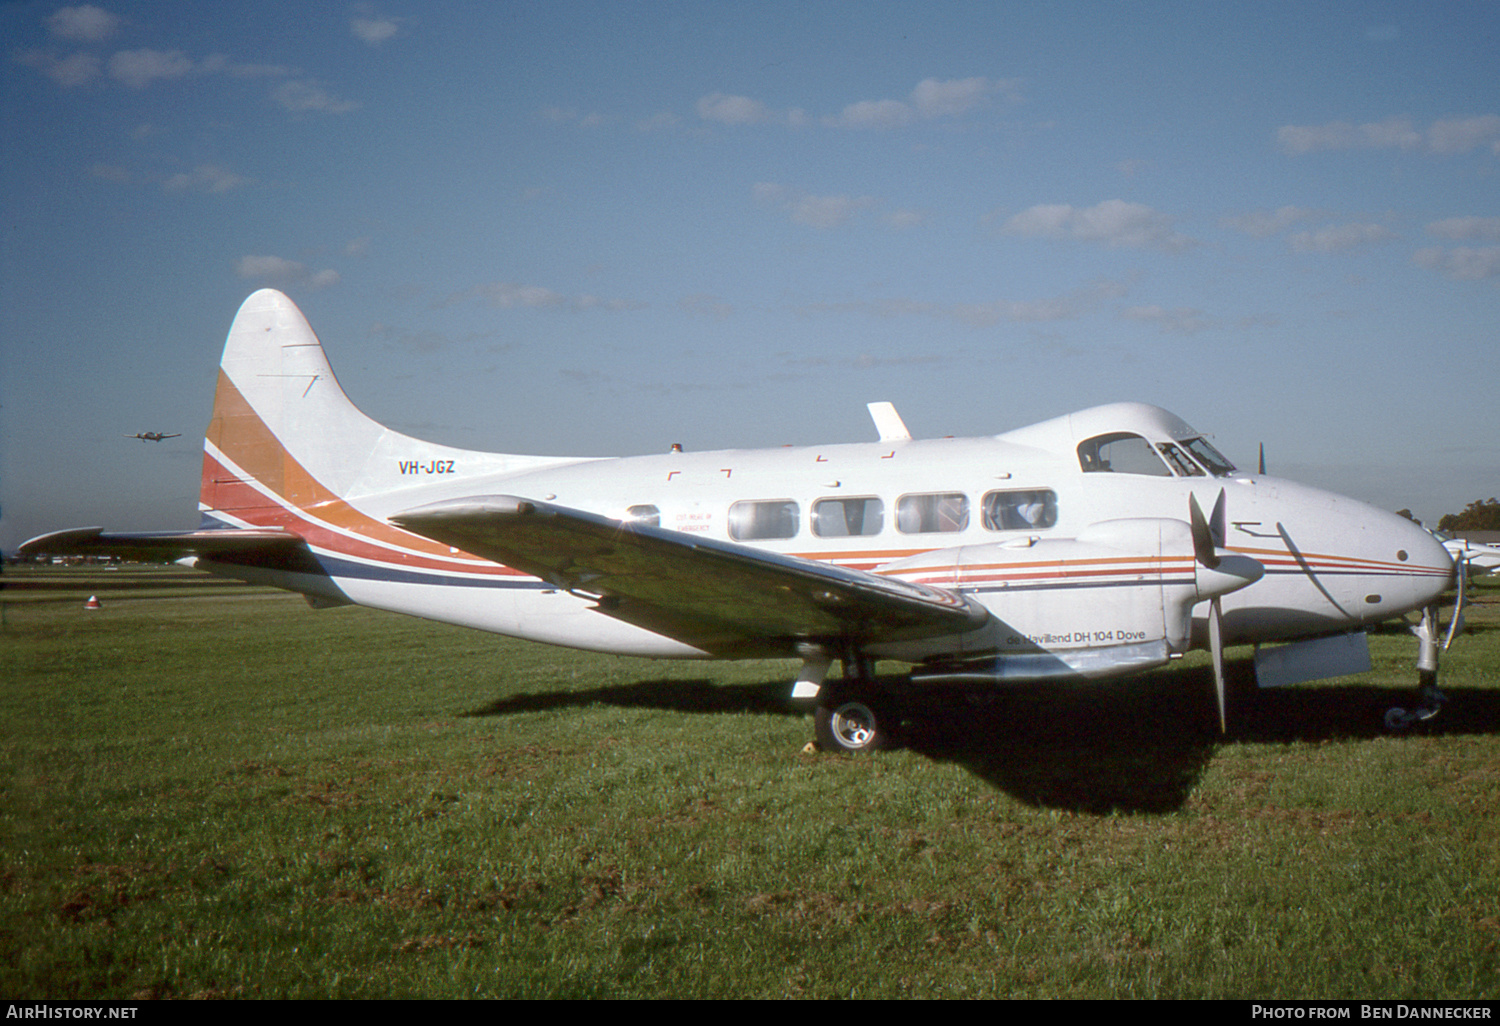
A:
(1116, 599)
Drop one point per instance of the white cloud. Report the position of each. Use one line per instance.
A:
(903, 219)
(1486, 229)
(218, 64)
(69, 72)
(1340, 238)
(1179, 321)
(706, 305)
(205, 178)
(732, 110)
(374, 29)
(83, 24)
(1460, 135)
(1446, 136)
(139, 68)
(1113, 223)
(822, 212)
(658, 122)
(1462, 263)
(280, 271)
(305, 95)
(932, 98)
(1264, 223)
(876, 114)
(505, 295)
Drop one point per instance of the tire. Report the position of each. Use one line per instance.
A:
(854, 725)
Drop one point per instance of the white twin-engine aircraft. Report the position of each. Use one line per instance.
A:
(1075, 548)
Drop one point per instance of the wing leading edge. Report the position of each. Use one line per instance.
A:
(720, 597)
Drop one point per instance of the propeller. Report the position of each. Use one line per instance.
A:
(1461, 568)
(1208, 538)
(1262, 463)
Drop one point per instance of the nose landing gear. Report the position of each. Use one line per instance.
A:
(1430, 698)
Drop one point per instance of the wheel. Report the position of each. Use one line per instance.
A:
(854, 725)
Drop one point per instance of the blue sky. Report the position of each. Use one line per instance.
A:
(597, 229)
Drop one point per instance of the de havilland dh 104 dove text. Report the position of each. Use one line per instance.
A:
(1075, 548)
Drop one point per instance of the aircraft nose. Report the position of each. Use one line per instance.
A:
(1425, 568)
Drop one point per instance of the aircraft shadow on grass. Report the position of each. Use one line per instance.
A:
(1137, 745)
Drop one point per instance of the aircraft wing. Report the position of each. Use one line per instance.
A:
(278, 549)
(715, 595)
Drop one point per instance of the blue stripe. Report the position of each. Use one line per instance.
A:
(336, 567)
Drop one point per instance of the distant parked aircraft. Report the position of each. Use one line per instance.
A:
(153, 436)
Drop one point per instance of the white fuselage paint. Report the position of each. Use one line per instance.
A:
(1332, 563)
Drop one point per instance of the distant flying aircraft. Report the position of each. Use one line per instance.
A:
(153, 436)
(1075, 548)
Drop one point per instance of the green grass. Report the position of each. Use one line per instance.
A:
(236, 796)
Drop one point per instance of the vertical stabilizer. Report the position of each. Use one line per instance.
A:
(280, 418)
(283, 436)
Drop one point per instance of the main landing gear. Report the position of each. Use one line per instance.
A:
(854, 723)
(852, 715)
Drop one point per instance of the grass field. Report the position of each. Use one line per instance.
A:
(218, 792)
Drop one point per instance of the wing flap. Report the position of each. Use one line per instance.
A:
(725, 598)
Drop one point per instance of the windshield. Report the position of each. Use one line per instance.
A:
(1210, 457)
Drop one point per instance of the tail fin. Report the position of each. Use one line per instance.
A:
(276, 392)
(284, 437)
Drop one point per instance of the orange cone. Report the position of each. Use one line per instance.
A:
(93, 603)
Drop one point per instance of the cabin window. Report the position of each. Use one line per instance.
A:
(1121, 453)
(935, 512)
(1018, 511)
(773, 518)
(1181, 465)
(846, 518)
(1210, 457)
(648, 516)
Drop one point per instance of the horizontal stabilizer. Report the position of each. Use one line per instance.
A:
(231, 544)
(715, 595)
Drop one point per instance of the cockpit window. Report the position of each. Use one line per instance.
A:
(1182, 466)
(1210, 457)
(1121, 453)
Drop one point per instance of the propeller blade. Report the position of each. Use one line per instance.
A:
(1203, 537)
(1217, 521)
(1262, 458)
(1216, 648)
(1461, 566)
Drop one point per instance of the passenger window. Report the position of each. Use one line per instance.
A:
(775, 518)
(649, 516)
(1121, 453)
(1018, 511)
(845, 518)
(932, 513)
(1182, 466)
